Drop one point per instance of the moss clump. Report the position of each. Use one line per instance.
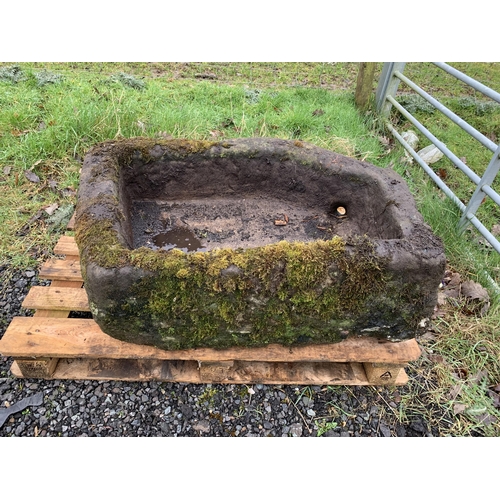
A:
(286, 293)
(100, 243)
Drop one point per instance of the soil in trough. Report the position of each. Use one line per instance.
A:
(231, 222)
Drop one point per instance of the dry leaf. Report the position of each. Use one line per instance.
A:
(479, 376)
(436, 358)
(6, 170)
(442, 173)
(455, 391)
(495, 397)
(459, 408)
(50, 209)
(453, 280)
(31, 176)
(477, 298)
(17, 133)
(485, 419)
(165, 135)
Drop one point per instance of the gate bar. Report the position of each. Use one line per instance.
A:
(483, 189)
(470, 217)
(447, 112)
(388, 86)
(441, 146)
(469, 81)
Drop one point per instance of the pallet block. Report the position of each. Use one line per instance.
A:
(50, 345)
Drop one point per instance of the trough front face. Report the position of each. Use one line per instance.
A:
(249, 242)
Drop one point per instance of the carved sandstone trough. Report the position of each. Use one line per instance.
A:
(248, 242)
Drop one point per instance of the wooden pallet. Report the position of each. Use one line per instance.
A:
(50, 345)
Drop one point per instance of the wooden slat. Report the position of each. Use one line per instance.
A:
(50, 313)
(382, 373)
(37, 368)
(82, 338)
(63, 270)
(71, 223)
(57, 298)
(188, 372)
(66, 246)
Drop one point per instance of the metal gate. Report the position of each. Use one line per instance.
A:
(391, 76)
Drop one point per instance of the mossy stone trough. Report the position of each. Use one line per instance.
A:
(248, 242)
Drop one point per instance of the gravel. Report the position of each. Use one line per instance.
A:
(116, 408)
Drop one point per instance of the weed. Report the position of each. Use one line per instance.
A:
(13, 74)
(207, 398)
(415, 102)
(306, 391)
(479, 107)
(128, 80)
(47, 77)
(324, 426)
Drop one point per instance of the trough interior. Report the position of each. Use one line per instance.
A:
(248, 203)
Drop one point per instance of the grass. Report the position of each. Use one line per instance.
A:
(51, 113)
(46, 129)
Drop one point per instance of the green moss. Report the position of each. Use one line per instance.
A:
(276, 293)
(100, 243)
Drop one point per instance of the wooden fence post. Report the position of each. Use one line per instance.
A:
(364, 84)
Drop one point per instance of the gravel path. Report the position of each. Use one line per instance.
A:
(92, 408)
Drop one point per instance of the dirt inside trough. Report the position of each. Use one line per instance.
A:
(232, 222)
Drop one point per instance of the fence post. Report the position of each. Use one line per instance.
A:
(364, 84)
(388, 85)
(478, 196)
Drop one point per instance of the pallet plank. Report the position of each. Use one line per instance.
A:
(37, 368)
(63, 270)
(74, 338)
(66, 246)
(57, 298)
(382, 373)
(71, 223)
(183, 371)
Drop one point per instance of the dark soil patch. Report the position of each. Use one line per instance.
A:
(232, 222)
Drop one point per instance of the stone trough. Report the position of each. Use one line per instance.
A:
(249, 242)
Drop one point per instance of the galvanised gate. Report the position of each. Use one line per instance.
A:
(391, 76)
